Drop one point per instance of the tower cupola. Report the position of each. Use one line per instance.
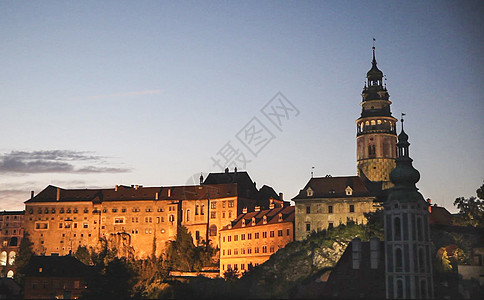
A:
(375, 133)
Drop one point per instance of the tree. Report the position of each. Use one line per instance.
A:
(471, 210)
(23, 258)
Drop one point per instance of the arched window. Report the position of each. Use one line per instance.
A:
(398, 260)
(10, 274)
(399, 289)
(423, 289)
(212, 230)
(13, 241)
(421, 260)
(11, 257)
(398, 230)
(3, 258)
(419, 229)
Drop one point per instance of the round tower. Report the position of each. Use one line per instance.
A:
(408, 269)
(376, 136)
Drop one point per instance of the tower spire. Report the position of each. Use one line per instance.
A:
(373, 48)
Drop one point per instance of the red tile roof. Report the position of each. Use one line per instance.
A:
(334, 187)
(272, 215)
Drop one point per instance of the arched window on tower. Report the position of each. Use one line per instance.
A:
(398, 229)
(371, 151)
(399, 291)
(398, 260)
(421, 260)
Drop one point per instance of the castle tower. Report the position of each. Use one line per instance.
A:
(407, 236)
(376, 136)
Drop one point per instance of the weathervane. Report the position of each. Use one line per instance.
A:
(402, 120)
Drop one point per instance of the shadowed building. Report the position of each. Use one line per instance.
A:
(407, 234)
(55, 277)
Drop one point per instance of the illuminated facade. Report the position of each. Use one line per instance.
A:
(11, 233)
(135, 219)
(253, 237)
(326, 202)
(376, 137)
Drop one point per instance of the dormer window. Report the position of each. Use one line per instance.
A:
(280, 217)
(349, 191)
(310, 192)
(253, 221)
(243, 222)
(332, 191)
(264, 220)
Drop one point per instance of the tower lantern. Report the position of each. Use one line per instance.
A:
(376, 136)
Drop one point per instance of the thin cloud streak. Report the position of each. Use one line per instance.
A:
(52, 161)
(124, 94)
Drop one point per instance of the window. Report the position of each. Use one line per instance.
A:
(308, 227)
(213, 205)
(149, 209)
(330, 225)
(310, 192)
(264, 234)
(256, 235)
(249, 236)
(288, 231)
(86, 210)
(242, 237)
(188, 215)
(398, 234)
(236, 238)
(264, 249)
(271, 249)
(256, 250)
(213, 230)
(60, 225)
(223, 204)
(202, 210)
(229, 238)
(279, 232)
(349, 191)
(213, 214)
(308, 209)
(86, 225)
(197, 209)
(231, 203)
(249, 250)
(236, 251)
(272, 233)
(352, 208)
(119, 220)
(330, 209)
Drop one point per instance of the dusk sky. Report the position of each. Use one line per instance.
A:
(99, 93)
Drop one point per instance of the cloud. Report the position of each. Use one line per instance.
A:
(126, 94)
(53, 161)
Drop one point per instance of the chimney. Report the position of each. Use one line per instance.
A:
(374, 252)
(201, 178)
(429, 201)
(235, 170)
(356, 251)
(281, 196)
(226, 170)
(156, 196)
(257, 208)
(57, 198)
(271, 205)
(31, 194)
(116, 188)
(169, 192)
(136, 187)
(244, 210)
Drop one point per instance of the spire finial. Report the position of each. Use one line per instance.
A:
(402, 120)
(373, 48)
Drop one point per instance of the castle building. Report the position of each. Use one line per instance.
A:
(376, 136)
(135, 219)
(326, 202)
(329, 201)
(407, 235)
(11, 233)
(253, 237)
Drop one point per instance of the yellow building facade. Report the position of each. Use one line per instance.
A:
(253, 237)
